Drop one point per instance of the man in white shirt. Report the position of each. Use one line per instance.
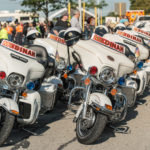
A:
(75, 20)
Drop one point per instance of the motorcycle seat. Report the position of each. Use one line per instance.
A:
(41, 54)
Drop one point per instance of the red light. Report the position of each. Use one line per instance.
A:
(93, 70)
(2, 75)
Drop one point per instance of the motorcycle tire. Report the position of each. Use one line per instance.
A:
(6, 128)
(94, 132)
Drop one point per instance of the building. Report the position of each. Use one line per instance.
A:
(6, 16)
(120, 8)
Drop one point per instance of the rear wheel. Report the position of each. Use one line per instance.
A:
(6, 125)
(89, 130)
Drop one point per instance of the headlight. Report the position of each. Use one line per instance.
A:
(15, 80)
(61, 64)
(107, 75)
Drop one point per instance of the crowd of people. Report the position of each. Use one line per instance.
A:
(17, 32)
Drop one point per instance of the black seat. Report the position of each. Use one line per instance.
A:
(41, 54)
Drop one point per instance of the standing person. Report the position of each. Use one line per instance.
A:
(75, 20)
(13, 32)
(19, 33)
(63, 21)
(61, 24)
(9, 31)
(3, 33)
(38, 27)
(50, 25)
(25, 28)
(46, 30)
(30, 27)
(42, 29)
(91, 24)
(25, 31)
(0, 26)
(123, 19)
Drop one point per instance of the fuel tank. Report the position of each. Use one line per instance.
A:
(91, 54)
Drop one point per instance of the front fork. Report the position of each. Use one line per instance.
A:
(83, 107)
(15, 96)
(85, 103)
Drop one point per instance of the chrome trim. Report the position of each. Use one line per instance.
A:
(103, 109)
(71, 93)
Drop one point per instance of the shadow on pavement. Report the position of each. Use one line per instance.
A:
(132, 113)
(19, 137)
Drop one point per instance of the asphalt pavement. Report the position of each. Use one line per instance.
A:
(56, 131)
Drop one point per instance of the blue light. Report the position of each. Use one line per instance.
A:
(69, 67)
(121, 81)
(30, 86)
(140, 64)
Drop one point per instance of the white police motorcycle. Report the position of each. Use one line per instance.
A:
(131, 43)
(27, 88)
(93, 50)
(104, 68)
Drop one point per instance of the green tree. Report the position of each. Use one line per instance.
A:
(74, 4)
(140, 5)
(93, 3)
(45, 6)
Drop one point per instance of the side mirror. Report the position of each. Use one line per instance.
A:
(33, 34)
(101, 30)
(72, 36)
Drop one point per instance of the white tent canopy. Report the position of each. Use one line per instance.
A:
(63, 10)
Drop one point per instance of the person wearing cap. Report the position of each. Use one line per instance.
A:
(61, 24)
(75, 20)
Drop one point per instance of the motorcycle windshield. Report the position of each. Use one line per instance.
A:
(15, 62)
(18, 49)
(144, 53)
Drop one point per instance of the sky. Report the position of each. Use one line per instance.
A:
(12, 5)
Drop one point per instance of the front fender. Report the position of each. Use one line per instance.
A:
(9, 105)
(100, 99)
(146, 68)
(101, 103)
(54, 80)
(142, 76)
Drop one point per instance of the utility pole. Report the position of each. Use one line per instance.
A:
(98, 2)
(80, 7)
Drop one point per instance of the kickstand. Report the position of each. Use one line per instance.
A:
(33, 133)
(121, 129)
(138, 102)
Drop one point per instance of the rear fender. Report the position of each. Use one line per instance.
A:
(9, 105)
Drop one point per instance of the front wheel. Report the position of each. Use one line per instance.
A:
(6, 125)
(89, 130)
